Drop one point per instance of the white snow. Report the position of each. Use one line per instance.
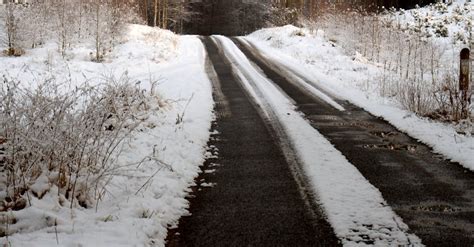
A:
(355, 208)
(326, 65)
(160, 160)
(455, 17)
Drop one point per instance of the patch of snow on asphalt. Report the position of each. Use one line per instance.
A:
(355, 208)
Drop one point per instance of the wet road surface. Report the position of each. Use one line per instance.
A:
(254, 199)
(433, 196)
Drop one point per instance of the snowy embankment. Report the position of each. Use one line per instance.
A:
(448, 24)
(157, 163)
(325, 64)
(355, 208)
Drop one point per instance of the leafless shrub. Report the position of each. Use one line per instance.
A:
(416, 97)
(65, 140)
(6, 220)
(415, 70)
(450, 100)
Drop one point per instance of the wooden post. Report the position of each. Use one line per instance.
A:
(465, 68)
(464, 81)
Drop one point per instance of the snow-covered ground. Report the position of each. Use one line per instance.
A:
(146, 197)
(448, 23)
(350, 78)
(354, 207)
(162, 156)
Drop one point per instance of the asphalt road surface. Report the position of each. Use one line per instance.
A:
(255, 200)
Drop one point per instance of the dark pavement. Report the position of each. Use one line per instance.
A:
(433, 196)
(256, 200)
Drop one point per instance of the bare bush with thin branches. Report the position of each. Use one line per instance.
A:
(58, 140)
(415, 69)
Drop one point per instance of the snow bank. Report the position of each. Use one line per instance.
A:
(155, 44)
(448, 23)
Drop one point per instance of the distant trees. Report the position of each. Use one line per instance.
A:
(228, 17)
(237, 17)
(167, 14)
(233, 17)
(312, 7)
(66, 22)
(77, 19)
(254, 15)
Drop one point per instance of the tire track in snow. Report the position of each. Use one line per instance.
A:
(253, 200)
(311, 200)
(433, 196)
(355, 208)
(222, 104)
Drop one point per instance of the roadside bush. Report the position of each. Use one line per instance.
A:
(65, 140)
(415, 69)
(15, 52)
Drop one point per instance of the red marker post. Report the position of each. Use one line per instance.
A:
(464, 81)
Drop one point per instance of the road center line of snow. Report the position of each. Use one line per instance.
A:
(269, 116)
(355, 208)
(323, 94)
(294, 73)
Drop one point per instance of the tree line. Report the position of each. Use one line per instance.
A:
(67, 22)
(231, 17)
(309, 4)
(228, 17)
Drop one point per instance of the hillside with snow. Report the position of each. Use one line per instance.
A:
(449, 23)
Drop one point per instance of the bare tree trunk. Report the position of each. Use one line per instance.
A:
(145, 11)
(181, 17)
(11, 26)
(81, 6)
(62, 27)
(155, 13)
(97, 34)
(164, 21)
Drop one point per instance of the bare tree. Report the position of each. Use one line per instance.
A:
(11, 26)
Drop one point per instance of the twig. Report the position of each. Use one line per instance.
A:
(56, 230)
